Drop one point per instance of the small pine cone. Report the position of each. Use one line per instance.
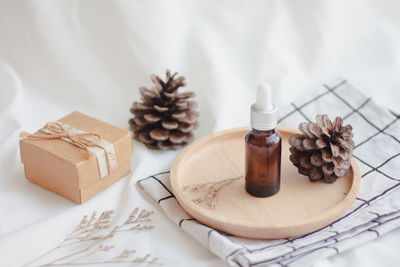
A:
(323, 150)
(165, 118)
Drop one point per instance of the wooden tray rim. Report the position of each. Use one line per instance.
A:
(211, 218)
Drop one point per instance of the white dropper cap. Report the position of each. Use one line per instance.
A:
(263, 113)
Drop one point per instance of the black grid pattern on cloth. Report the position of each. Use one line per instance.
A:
(155, 177)
(335, 237)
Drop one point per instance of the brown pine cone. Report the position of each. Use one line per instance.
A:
(323, 150)
(165, 118)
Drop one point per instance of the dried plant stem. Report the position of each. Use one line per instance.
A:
(81, 257)
(68, 256)
(76, 242)
(41, 256)
(84, 224)
(52, 250)
(136, 260)
(95, 263)
(92, 229)
(209, 191)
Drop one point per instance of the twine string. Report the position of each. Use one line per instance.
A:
(81, 140)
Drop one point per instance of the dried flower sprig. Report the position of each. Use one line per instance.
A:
(136, 220)
(88, 227)
(94, 228)
(209, 191)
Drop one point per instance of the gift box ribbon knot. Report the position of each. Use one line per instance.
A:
(90, 142)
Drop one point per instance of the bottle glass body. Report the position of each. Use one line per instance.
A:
(263, 162)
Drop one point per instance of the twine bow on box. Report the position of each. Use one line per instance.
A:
(76, 137)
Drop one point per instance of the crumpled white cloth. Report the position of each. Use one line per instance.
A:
(92, 56)
(375, 211)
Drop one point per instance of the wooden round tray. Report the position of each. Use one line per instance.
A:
(207, 179)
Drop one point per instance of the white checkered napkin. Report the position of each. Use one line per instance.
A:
(375, 211)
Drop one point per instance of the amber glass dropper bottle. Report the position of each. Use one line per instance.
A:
(263, 147)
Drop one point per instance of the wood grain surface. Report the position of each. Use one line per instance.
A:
(300, 206)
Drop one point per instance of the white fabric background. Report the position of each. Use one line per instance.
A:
(91, 56)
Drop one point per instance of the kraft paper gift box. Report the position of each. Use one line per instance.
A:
(72, 161)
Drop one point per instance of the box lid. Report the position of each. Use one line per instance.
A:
(120, 138)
